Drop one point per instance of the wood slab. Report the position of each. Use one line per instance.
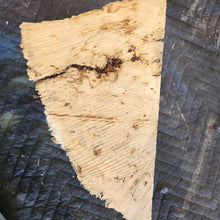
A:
(98, 75)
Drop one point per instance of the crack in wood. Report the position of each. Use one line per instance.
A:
(83, 116)
(112, 65)
(95, 117)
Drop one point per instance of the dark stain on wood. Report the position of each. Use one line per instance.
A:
(79, 169)
(157, 60)
(135, 58)
(97, 152)
(157, 74)
(135, 126)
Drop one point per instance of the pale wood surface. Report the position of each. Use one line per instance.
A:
(98, 77)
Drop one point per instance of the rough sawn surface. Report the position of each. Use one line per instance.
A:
(98, 75)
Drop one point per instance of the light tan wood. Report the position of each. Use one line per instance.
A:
(98, 75)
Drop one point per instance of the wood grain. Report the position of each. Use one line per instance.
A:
(93, 73)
